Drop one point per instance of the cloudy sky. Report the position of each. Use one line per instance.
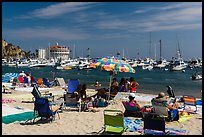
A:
(106, 28)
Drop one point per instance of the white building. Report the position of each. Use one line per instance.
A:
(56, 52)
(42, 53)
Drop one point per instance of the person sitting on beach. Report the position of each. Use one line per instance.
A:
(143, 108)
(133, 85)
(173, 112)
(104, 93)
(114, 84)
(81, 89)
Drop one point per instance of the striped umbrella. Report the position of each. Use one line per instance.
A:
(113, 64)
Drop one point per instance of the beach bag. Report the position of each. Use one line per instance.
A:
(174, 115)
(100, 103)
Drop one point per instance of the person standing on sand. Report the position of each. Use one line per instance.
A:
(133, 85)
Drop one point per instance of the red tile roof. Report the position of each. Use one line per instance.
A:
(56, 46)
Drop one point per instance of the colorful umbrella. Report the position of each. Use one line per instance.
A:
(112, 64)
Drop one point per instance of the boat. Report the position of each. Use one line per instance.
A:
(148, 64)
(177, 64)
(36, 63)
(196, 77)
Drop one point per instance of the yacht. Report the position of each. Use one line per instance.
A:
(196, 77)
(37, 63)
(148, 64)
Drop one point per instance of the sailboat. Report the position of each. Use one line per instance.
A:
(177, 64)
(162, 62)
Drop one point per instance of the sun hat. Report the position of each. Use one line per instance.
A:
(161, 95)
(132, 95)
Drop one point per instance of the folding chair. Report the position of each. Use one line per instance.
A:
(154, 124)
(131, 109)
(37, 94)
(114, 121)
(72, 85)
(42, 109)
(189, 101)
(70, 101)
(61, 82)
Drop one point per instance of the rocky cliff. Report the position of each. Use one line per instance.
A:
(9, 50)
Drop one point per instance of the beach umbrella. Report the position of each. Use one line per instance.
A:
(114, 65)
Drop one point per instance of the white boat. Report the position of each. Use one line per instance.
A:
(196, 77)
(193, 63)
(22, 64)
(178, 65)
(147, 67)
(37, 63)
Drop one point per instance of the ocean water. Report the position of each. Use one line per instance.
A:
(152, 82)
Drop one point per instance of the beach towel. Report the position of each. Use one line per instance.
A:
(169, 131)
(18, 117)
(133, 125)
(12, 114)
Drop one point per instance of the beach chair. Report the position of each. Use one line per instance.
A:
(189, 101)
(131, 109)
(61, 82)
(45, 82)
(7, 89)
(160, 109)
(72, 85)
(71, 102)
(154, 124)
(70, 99)
(43, 109)
(113, 121)
(37, 94)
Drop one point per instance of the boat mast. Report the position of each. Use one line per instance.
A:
(160, 50)
(123, 53)
(179, 51)
(150, 42)
(49, 51)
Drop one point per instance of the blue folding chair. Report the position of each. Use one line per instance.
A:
(72, 85)
(45, 82)
(42, 109)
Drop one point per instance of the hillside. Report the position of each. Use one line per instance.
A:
(9, 50)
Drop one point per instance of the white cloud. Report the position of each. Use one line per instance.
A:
(59, 9)
(169, 17)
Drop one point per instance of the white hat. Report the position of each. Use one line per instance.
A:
(132, 95)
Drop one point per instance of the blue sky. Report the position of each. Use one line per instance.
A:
(106, 28)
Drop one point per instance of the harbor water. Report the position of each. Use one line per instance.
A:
(152, 82)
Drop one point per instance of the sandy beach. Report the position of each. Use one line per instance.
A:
(79, 123)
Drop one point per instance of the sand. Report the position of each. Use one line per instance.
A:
(79, 123)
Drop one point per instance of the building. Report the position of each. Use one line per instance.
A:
(57, 52)
(42, 53)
